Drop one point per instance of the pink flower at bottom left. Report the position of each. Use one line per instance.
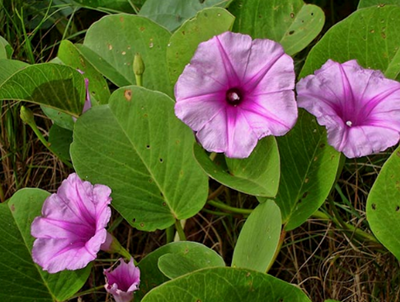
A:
(71, 230)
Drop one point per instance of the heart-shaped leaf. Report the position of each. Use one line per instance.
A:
(256, 175)
(292, 23)
(183, 43)
(383, 205)
(114, 40)
(308, 170)
(171, 14)
(23, 280)
(138, 147)
(369, 35)
(59, 87)
(226, 284)
(259, 238)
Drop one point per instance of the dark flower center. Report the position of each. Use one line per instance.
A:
(234, 96)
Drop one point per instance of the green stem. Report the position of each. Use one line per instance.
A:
(225, 207)
(170, 232)
(139, 80)
(180, 231)
(278, 249)
(87, 292)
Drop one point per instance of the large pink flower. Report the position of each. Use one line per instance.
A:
(123, 281)
(236, 91)
(359, 107)
(71, 230)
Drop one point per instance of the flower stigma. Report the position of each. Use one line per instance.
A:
(349, 123)
(234, 96)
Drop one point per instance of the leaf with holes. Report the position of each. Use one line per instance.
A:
(256, 175)
(59, 87)
(383, 205)
(16, 243)
(308, 170)
(138, 148)
(226, 284)
(369, 35)
(113, 42)
(292, 23)
(259, 238)
(183, 43)
(171, 14)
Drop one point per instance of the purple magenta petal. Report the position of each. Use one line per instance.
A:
(359, 107)
(71, 229)
(236, 91)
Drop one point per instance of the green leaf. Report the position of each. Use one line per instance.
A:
(183, 43)
(190, 260)
(59, 118)
(368, 3)
(308, 170)
(23, 280)
(60, 140)
(256, 175)
(292, 23)
(70, 55)
(370, 35)
(122, 6)
(147, 155)
(59, 87)
(226, 284)
(151, 276)
(6, 50)
(115, 39)
(259, 238)
(9, 67)
(171, 14)
(383, 205)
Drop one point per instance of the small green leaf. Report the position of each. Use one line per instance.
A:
(308, 170)
(292, 23)
(369, 35)
(147, 153)
(70, 55)
(383, 205)
(190, 260)
(59, 87)
(9, 67)
(6, 50)
(256, 175)
(171, 14)
(259, 238)
(226, 284)
(184, 42)
(23, 280)
(115, 39)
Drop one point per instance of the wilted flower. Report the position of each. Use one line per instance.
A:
(359, 107)
(122, 281)
(71, 230)
(236, 91)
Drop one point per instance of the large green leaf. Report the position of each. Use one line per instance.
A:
(292, 23)
(70, 55)
(308, 170)
(22, 280)
(256, 175)
(151, 275)
(59, 87)
(140, 149)
(226, 284)
(183, 43)
(369, 35)
(259, 238)
(117, 38)
(383, 205)
(9, 67)
(171, 14)
(368, 3)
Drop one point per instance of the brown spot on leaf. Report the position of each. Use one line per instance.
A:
(292, 15)
(12, 208)
(128, 94)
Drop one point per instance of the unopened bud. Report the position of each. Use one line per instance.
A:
(26, 115)
(138, 65)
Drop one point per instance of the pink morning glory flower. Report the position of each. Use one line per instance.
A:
(71, 230)
(359, 107)
(122, 281)
(235, 91)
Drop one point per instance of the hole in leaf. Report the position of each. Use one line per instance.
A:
(312, 14)
(134, 220)
(291, 32)
(373, 206)
(397, 208)
(148, 146)
(161, 160)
